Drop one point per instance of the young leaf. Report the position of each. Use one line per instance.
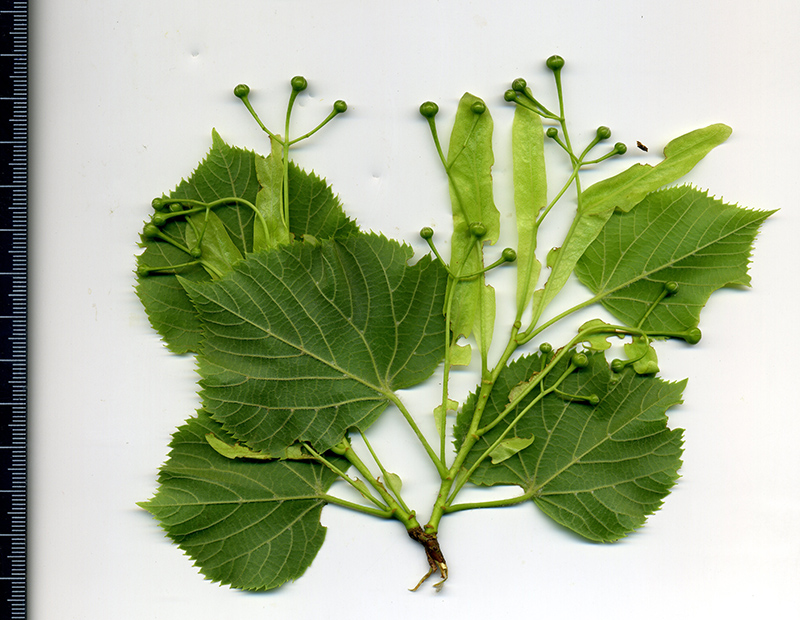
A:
(599, 470)
(303, 342)
(530, 197)
(680, 235)
(469, 160)
(621, 193)
(249, 524)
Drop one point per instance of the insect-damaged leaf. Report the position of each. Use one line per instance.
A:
(250, 524)
(305, 342)
(599, 470)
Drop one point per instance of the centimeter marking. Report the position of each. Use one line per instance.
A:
(13, 308)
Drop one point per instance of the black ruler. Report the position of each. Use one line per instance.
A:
(13, 308)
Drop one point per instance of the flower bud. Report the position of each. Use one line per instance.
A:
(477, 230)
(340, 106)
(241, 91)
(554, 63)
(299, 83)
(429, 109)
(478, 107)
(603, 133)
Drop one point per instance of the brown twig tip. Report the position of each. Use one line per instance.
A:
(433, 554)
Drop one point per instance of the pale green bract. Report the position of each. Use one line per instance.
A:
(307, 329)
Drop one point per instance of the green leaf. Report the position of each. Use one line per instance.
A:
(678, 234)
(303, 342)
(232, 232)
(598, 470)
(621, 193)
(225, 172)
(314, 209)
(530, 197)
(250, 524)
(469, 160)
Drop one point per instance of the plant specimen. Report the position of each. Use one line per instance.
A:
(305, 327)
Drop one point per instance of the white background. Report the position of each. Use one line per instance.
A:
(124, 96)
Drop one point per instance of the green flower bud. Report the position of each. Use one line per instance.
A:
(196, 252)
(510, 95)
(509, 255)
(429, 109)
(620, 148)
(579, 360)
(693, 336)
(593, 399)
(554, 63)
(151, 231)
(546, 348)
(241, 91)
(175, 207)
(299, 83)
(159, 204)
(426, 233)
(551, 132)
(479, 107)
(159, 219)
(477, 230)
(671, 287)
(519, 85)
(603, 133)
(340, 106)
(617, 365)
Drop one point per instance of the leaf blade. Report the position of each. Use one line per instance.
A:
(251, 525)
(681, 235)
(302, 343)
(598, 470)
